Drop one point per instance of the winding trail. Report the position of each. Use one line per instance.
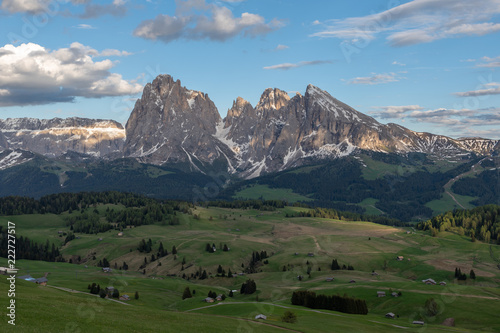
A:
(452, 181)
(85, 293)
(288, 307)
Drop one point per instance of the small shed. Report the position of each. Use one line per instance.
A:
(442, 283)
(380, 293)
(209, 300)
(218, 298)
(390, 315)
(106, 269)
(429, 281)
(418, 322)
(395, 294)
(120, 234)
(26, 278)
(261, 316)
(125, 297)
(41, 281)
(374, 273)
(330, 279)
(400, 258)
(310, 254)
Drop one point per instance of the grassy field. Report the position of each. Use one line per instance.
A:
(369, 206)
(288, 241)
(446, 203)
(267, 193)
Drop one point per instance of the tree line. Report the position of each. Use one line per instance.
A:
(481, 223)
(344, 303)
(62, 202)
(29, 249)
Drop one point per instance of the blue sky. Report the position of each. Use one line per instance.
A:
(429, 65)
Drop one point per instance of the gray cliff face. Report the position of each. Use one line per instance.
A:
(55, 137)
(4, 144)
(280, 133)
(171, 124)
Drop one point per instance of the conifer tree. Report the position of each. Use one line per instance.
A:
(186, 293)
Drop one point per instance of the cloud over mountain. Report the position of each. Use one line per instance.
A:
(419, 21)
(196, 19)
(31, 74)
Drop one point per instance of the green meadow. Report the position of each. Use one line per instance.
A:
(295, 247)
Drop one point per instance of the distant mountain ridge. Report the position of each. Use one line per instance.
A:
(55, 137)
(171, 124)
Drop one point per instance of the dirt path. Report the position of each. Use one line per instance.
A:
(373, 206)
(452, 181)
(82, 292)
(288, 307)
(454, 199)
(433, 292)
(316, 242)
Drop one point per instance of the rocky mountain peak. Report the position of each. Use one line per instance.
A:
(172, 124)
(240, 107)
(273, 99)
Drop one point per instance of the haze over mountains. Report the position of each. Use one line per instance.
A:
(171, 124)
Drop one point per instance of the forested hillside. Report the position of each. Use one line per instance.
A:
(481, 223)
(401, 192)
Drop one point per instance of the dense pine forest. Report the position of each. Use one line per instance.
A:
(28, 249)
(481, 223)
(340, 184)
(61, 202)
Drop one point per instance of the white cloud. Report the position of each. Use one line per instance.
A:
(494, 90)
(398, 63)
(116, 8)
(32, 6)
(393, 111)
(114, 53)
(287, 66)
(85, 26)
(31, 74)
(375, 79)
(489, 62)
(195, 19)
(282, 47)
(463, 122)
(420, 21)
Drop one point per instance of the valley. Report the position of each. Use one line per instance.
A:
(296, 246)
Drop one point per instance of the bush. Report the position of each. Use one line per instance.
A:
(289, 317)
(431, 307)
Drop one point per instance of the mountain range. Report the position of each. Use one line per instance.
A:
(172, 125)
